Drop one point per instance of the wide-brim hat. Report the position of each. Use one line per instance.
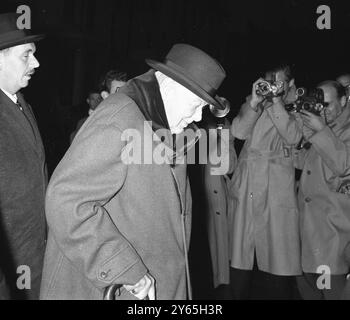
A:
(195, 70)
(11, 35)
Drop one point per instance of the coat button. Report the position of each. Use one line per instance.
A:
(308, 200)
(309, 172)
(218, 213)
(103, 275)
(215, 192)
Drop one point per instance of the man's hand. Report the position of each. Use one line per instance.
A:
(312, 121)
(144, 288)
(256, 99)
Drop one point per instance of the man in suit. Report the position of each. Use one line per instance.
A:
(115, 220)
(22, 167)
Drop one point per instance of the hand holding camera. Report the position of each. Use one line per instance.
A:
(310, 107)
(312, 121)
(264, 90)
(313, 102)
(256, 98)
(270, 89)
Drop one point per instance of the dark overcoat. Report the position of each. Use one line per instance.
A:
(23, 182)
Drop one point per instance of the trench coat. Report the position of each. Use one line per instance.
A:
(218, 211)
(266, 219)
(110, 220)
(23, 179)
(324, 209)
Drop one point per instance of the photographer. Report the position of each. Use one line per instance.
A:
(265, 235)
(324, 195)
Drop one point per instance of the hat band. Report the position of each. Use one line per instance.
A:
(204, 86)
(12, 35)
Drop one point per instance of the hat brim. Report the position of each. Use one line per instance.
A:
(186, 82)
(22, 40)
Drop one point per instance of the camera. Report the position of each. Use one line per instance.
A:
(270, 89)
(312, 102)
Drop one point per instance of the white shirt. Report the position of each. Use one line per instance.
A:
(13, 97)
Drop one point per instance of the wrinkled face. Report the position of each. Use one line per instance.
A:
(94, 100)
(116, 85)
(182, 107)
(17, 65)
(334, 104)
(289, 87)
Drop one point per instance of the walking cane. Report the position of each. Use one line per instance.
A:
(111, 291)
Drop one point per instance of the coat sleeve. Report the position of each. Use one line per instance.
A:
(285, 124)
(244, 123)
(333, 151)
(88, 177)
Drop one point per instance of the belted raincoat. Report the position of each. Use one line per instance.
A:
(265, 219)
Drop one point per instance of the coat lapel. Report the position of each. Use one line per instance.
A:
(17, 119)
(31, 117)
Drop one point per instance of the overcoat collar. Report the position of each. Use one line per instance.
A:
(24, 121)
(145, 91)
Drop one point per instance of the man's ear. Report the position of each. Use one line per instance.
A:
(104, 95)
(291, 83)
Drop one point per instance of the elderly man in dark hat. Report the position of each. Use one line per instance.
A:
(114, 220)
(22, 168)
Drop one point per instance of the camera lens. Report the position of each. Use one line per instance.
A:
(307, 106)
(263, 88)
(301, 92)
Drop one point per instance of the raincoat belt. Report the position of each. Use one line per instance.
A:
(250, 154)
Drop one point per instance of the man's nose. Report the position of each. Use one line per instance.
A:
(198, 116)
(34, 63)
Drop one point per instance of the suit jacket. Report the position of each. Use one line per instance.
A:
(110, 220)
(22, 193)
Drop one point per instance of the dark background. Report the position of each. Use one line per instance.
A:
(86, 38)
